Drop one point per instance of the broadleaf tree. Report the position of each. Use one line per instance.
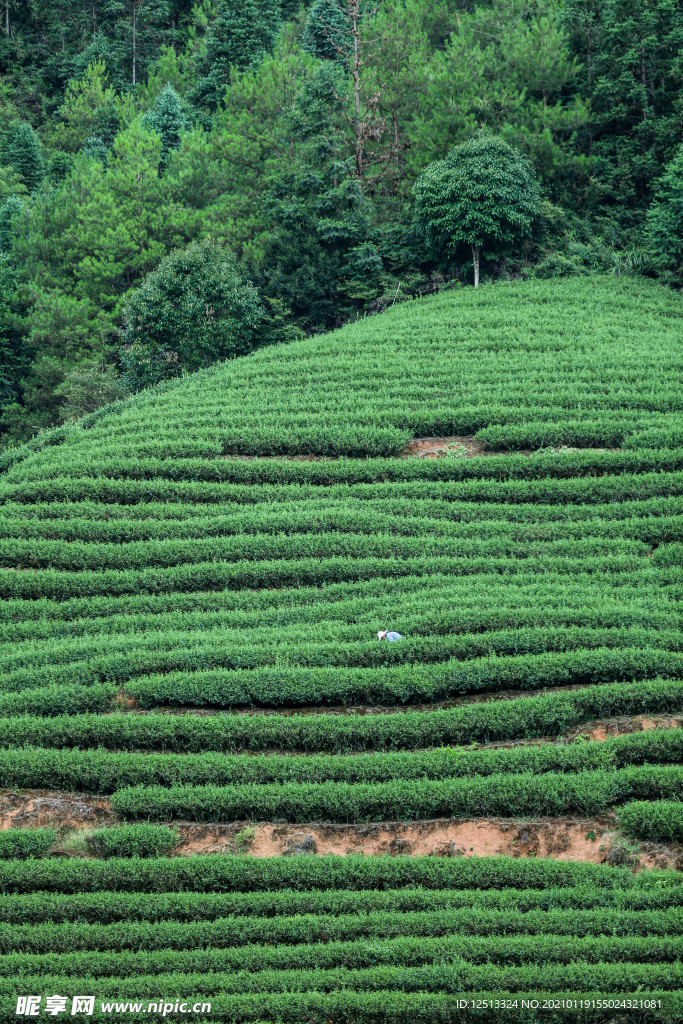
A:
(194, 309)
(483, 194)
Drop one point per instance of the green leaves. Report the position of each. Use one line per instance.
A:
(661, 820)
(66, 716)
(26, 842)
(23, 152)
(665, 219)
(132, 841)
(100, 771)
(167, 118)
(232, 873)
(196, 308)
(158, 556)
(510, 795)
(240, 35)
(482, 194)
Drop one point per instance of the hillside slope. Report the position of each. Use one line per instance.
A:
(160, 577)
(560, 362)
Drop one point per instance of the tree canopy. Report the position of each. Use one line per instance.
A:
(483, 194)
(665, 219)
(194, 309)
(167, 118)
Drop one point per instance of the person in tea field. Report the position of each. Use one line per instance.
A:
(385, 634)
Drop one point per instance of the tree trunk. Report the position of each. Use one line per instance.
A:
(589, 67)
(135, 6)
(355, 73)
(476, 253)
(6, 17)
(94, 19)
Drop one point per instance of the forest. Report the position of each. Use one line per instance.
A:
(183, 182)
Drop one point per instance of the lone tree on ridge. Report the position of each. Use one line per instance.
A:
(483, 193)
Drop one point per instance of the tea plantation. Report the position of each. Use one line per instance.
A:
(233, 541)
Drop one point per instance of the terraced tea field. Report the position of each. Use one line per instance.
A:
(192, 584)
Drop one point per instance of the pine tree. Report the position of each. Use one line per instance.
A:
(167, 118)
(397, 75)
(326, 35)
(112, 221)
(23, 152)
(94, 148)
(79, 114)
(508, 67)
(13, 360)
(240, 36)
(9, 211)
(139, 27)
(631, 56)
(665, 220)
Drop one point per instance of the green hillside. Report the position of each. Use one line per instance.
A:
(236, 539)
(573, 362)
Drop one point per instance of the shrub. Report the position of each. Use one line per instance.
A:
(132, 841)
(26, 842)
(194, 309)
(661, 820)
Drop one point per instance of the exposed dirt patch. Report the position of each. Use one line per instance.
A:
(123, 702)
(467, 446)
(578, 839)
(602, 730)
(563, 839)
(41, 808)
(459, 445)
(237, 837)
(464, 446)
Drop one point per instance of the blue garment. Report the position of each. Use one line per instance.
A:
(393, 636)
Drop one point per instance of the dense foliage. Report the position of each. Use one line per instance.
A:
(482, 194)
(293, 141)
(665, 219)
(26, 842)
(132, 841)
(193, 310)
(657, 819)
